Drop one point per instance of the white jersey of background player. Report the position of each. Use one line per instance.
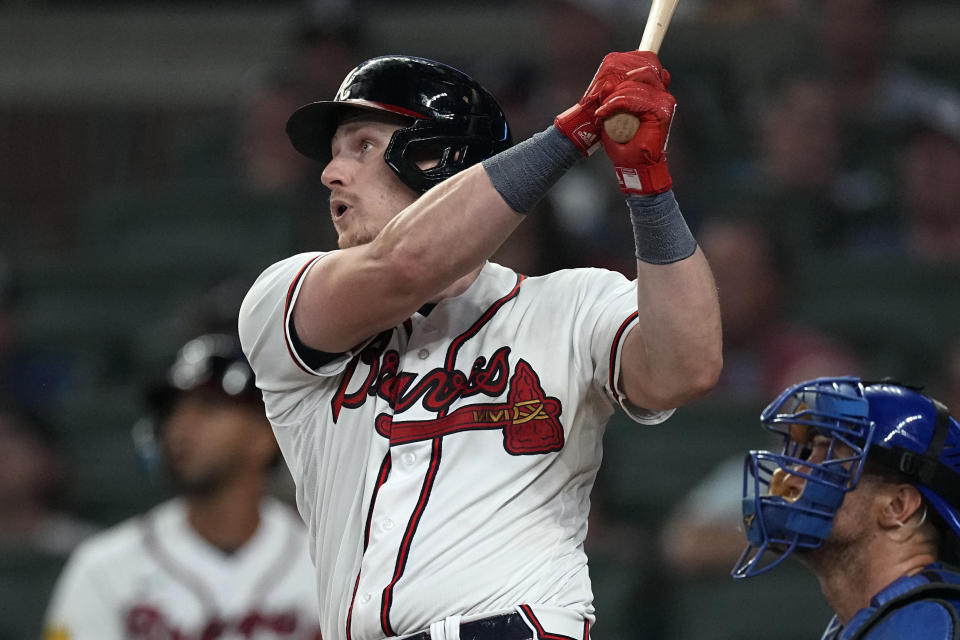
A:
(155, 577)
(444, 454)
(222, 561)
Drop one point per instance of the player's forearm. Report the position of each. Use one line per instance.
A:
(422, 253)
(462, 221)
(674, 354)
(356, 293)
(449, 231)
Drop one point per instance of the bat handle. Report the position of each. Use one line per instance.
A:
(621, 127)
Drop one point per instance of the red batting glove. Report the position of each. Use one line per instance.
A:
(641, 162)
(579, 122)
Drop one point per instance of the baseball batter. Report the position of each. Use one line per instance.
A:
(222, 561)
(443, 415)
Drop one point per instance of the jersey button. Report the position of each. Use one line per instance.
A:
(365, 598)
(409, 459)
(387, 524)
(423, 354)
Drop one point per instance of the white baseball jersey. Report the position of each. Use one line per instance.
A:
(154, 577)
(444, 468)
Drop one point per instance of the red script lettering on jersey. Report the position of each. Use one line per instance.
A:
(439, 388)
(529, 418)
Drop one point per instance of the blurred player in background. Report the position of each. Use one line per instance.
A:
(33, 476)
(443, 415)
(222, 560)
(866, 492)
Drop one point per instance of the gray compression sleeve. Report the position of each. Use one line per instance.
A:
(659, 230)
(524, 173)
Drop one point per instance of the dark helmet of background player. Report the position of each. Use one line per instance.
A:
(884, 425)
(212, 362)
(452, 117)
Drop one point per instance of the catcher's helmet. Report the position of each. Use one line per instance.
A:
(452, 116)
(891, 425)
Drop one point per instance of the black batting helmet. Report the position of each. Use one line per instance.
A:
(213, 362)
(452, 115)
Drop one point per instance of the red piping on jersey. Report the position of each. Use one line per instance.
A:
(541, 633)
(613, 353)
(381, 478)
(449, 364)
(286, 311)
(408, 536)
(482, 320)
(356, 583)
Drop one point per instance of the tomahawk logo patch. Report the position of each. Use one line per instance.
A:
(529, 418)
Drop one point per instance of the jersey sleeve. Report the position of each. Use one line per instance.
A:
(80, 608)
(282, 367)
(608, 305)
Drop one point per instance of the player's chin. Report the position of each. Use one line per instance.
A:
(354, 239)
(195, 485)
(190, 479)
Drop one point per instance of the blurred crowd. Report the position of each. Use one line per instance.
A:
(821, 177)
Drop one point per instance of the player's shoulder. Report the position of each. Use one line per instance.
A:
(289, 265)
(283, 525)
(113, 544)
(927, 618)
(578, 275)
(578, 286)
(924, 605)
(282, 514)
(276, 509)
(272, 286)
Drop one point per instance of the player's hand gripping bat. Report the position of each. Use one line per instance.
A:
(622, 126)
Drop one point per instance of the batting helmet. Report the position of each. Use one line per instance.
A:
(213, 362)
(452, 116)
(893, 426)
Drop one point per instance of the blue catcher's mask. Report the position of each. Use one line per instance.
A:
(829, 427)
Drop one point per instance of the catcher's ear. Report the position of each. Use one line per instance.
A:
(899, 505)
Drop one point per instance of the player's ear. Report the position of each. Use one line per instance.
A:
(901, 505)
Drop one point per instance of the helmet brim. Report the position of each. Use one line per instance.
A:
(311, 127)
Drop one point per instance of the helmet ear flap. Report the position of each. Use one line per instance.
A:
(445, 153)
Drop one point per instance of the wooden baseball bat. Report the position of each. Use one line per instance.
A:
(621, 126)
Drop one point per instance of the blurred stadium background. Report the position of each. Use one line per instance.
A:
(145, 181)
